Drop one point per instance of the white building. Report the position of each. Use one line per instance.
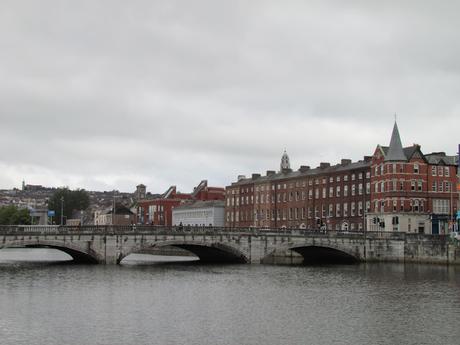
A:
(200, 213)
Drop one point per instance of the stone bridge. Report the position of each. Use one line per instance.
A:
(110, 244)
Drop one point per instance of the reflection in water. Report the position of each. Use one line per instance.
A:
(229, 304)
(32, 255)
(47, 255)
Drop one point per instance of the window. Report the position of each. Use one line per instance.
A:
(368, 174)
(440, 171)
(441, 189)
(324, 193)
(446, 171)
(360, 189)
(368, 188)
(416, 168)
(352, 209)
(360, 208)
(331, 210)
(345, 178)
(447, 186)
(412, 185)
(337, 210)
(395, 205)
(433, 186)
(331, 179)
(353, 175)
(433, 171)
(331, 192)
(419, 185)
(338, 179)
(337, 191)
(345, 210)
(360, 176)
(345, 190)
(353, 189)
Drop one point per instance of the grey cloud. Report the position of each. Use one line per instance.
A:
(104, 94)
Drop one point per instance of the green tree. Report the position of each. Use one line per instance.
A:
(71, 200)
(11, 215)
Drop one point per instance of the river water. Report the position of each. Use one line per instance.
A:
(144, 303)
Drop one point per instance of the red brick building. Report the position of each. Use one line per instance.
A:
(327, 197)
(395, 185)
(158, 210)
(411, 191)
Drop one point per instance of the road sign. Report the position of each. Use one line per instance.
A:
(51, 213)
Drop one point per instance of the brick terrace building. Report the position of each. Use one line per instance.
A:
(327, 197)
(158, 211)
(394, 182)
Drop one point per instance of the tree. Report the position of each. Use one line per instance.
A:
(11, 215)
(71, 200)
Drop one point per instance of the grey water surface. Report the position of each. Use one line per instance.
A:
(140, 302)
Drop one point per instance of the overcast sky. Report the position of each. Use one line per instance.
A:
(105, 95)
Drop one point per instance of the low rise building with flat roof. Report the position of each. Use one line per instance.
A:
(199, 213)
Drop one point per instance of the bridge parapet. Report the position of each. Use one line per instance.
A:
(155, 229)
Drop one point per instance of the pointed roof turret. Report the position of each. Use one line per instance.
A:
(395, 150)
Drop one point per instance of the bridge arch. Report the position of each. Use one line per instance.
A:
(313, 254)
(207, 252)
(79, 255)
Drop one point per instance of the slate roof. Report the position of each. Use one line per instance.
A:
(395, 150)
(311, 172)
(431, 158)
(438, 157)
